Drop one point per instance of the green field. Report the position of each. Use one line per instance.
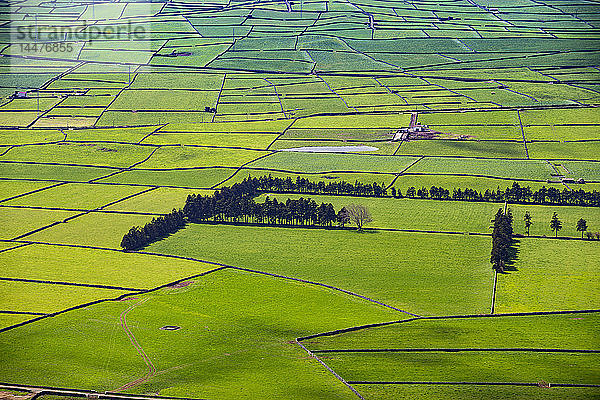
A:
(113, 113)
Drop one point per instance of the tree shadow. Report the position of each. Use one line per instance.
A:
(513, 255)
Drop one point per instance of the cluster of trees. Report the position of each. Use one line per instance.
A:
(158, 228)
(221, 208)
(501, 239)
(556, 225)
(269, 183)
(514, 194)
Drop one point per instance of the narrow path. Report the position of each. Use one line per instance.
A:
(151, 368)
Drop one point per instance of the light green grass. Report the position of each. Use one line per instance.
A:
(236, 331)
(554, 150)
(161, 200)
(13, 319)
(16, 222)
(75, 195)
(526, 169)
(104, 230)
(550, 275)
(254, 141)
(191, 178)
(52, 172)
(468, 367)
(15, 188)
(23, 136)
(99, 267)
(47, 298)
(326, 162)
(477, 183)
(397, 268)
(567, 331)
(409, 392)
(186, 157)
(463, 148)
(95, 154)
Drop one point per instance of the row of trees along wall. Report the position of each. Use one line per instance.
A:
(236, 204)
(514, 194)
(501, 239)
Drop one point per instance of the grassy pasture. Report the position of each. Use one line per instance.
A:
(13, 319)
(252, 355)
(47, 298)
(550, 275)
(571, 150)
(562, 132)
(95, 154)
(567, 331)
(468, 367)
(75, 195)
(324, 162)
(188, 178)
(51, 172)
(397, 268)
(247, 140)
(99, 267)
(21, 136)
(463, 148)
(458, 216)
(161, 200)
(16, 222)
(526, 169)
(406, 392)
(189, 157)
(104, 230)
(15, 188)
(382, 148)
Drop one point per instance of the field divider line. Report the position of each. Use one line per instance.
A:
(456, 350)
(118, 298)
(494, 292)
(574, 385)
(323, 285)
(53, 390)
(241, 167)
(281, 134)
(72, 217)
(348, 385)
(523, 134)
(21, 312)
(90, 285)
(218, 97)
(15, 247)
(82, 210)
(151, 368)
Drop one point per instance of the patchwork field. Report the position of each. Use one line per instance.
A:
(113, 113)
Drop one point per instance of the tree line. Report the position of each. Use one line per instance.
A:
(237, 204)
(513, 194)
(158, 228)
(501, 239)
(556, 225)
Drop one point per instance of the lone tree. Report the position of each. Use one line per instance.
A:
(343, 217)
(555, 224)
(528, 222)
(582, 226)
(359, 214)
